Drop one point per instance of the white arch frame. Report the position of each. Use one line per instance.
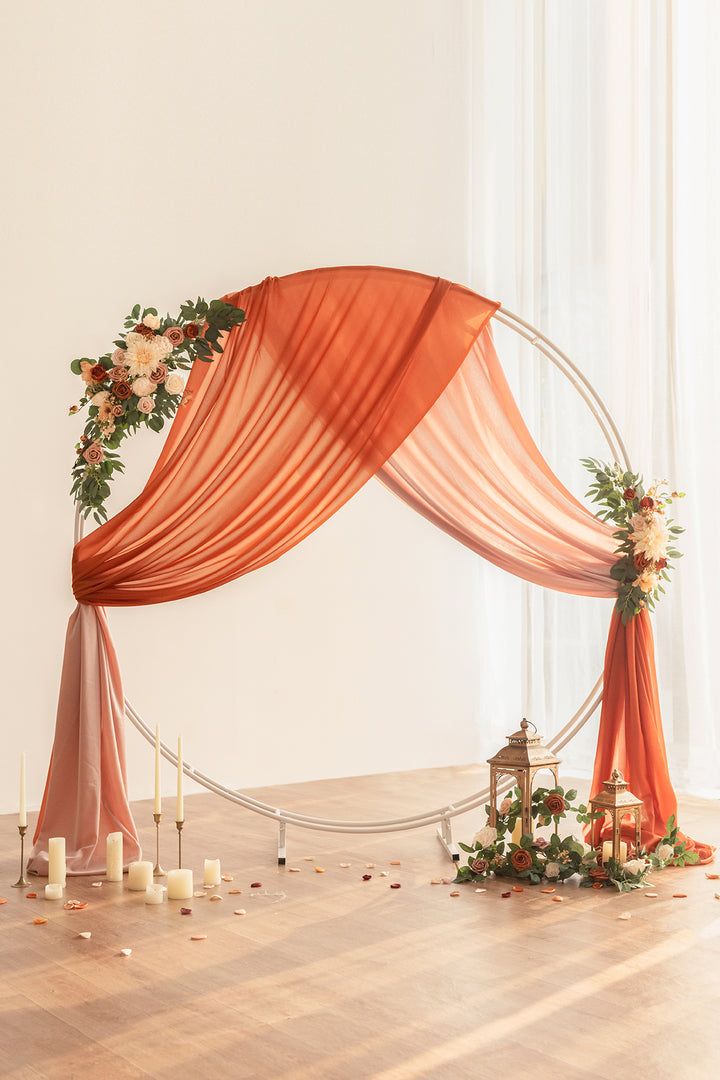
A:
(443, 815)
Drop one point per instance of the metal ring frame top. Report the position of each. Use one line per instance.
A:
(441, 814)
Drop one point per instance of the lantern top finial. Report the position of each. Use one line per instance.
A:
(615, 794)
(525, 748)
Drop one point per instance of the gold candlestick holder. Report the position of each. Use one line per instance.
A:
(22, 882)
(157, 868)
(179, 825)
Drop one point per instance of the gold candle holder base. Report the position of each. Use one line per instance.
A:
(179, 825)
(22, 882)
(157, 868)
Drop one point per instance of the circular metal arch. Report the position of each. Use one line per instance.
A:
(441, 815)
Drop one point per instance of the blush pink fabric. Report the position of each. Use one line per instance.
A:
(86, 792)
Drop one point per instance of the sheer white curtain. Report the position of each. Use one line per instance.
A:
(595, 172)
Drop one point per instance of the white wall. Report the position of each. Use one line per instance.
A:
(157, 150)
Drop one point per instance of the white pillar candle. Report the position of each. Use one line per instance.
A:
(607, 852)
(56, 860)
(212, 872)
(180, 807)
(180, 884)
(154, 894)
(53, 892)
(157, 809)
(140, 875)
(22, 808)
(114, 857)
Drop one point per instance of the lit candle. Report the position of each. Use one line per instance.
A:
(140, 875)
(53, 892)
(517, 832)
(158, 800)
(607, 852)
(22, 808)
(180, 808)
(179, 884)
(154, 894)
(212, 872)
(56, 860)
(114, 857)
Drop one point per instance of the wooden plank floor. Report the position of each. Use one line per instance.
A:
(330, 977)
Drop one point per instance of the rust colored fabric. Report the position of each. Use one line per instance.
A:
(472, 468)
(328, 375)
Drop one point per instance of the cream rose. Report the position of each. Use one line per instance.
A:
(665, 852)
(552, 871)
(152, 321)
(118, 357)
(634, 866)
(143, 386)
(146, 405)
(174, 383)
(486, 837)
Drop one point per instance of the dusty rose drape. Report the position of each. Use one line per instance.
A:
(319, 389)
(330, 372)
(472, 468)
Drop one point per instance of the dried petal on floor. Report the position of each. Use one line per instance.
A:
(481, 890)
(558, 899)
(345, 865)
(198, 937)
(39, 921)
(234, 892)
(309, 858)
(256, 885)
(436, 881)
(506, 895)
(679, 896)
(319, 869)
(186, 911)
(549, 889)
(75, 905)
(517, 888)
(96, 884)
(394, 862)
(3, 900)
(215, 898)
(384, 873)
(240, 911)
(370, 865)
(31, 896)
(85, 934)
(396, 885)
(227, 877)
(455, 892)
(367, 877)
(624, 915)
(126, 952)
(712, 877)
(650, 895)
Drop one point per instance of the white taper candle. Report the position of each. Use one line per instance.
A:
(180, 808)
(22, 808)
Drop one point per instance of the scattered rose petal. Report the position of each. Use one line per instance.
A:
(384, 873)
(394, 862)
(240, 911)
(679, 896)
(345, 865)
(234, 892)
(712, 877)
(198, 895)
(227, 877)
(198, 937)
(505, 895)
(214, 899)
(366, 877)
(39, 921)
(650, 895)
(396, 885)
(370, 865)
(319, 869)
(549, 889)
(75, 905)
(31, 896)
(717, 895)
(3, 900)
(208, 886)
(85, 934)
(624, 915)
(126, 952)
(455, 892)
(436, 881)
(517, 888)
(96, 884)
(256, 885)
(481, 890)
(309, 858)
(186, 911)
(558, 899)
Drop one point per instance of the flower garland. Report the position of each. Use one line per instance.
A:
(646, 536)
(139, 384)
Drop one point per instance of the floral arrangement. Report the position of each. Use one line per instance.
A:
(646, 536)
(623, 876)
(672, 851)
(139, 384)
(548, 805)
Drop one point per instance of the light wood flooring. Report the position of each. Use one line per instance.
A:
(327, 976)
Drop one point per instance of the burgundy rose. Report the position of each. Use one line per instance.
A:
(94, 454)
(629, 494)
(479, 866)
(521, 859)
(647, 503)
(146, 331)
(191, 330)
(661, 564)
(555, 804)
(641, 561)
(159, 374)
(98, 373)
(122, 391)
(175, 335)
(118, 374)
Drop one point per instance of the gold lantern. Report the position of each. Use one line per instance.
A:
(616, 802)
(524, 756)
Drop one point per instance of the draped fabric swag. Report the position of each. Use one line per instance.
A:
(337, 375)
